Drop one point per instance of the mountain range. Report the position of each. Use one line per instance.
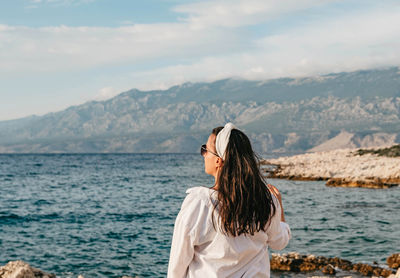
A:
(348, 109)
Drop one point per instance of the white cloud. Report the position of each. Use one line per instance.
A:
(343, 44)
(106, 93)
(24, 49)
(199, 35)
(234, 13)
(198, 48)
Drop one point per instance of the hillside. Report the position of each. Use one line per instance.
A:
(280, 115)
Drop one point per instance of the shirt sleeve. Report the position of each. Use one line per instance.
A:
(278, 232)
(184, 237)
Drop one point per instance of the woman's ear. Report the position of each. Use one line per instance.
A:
(219, 162)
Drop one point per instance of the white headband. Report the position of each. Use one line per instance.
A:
(222, 139)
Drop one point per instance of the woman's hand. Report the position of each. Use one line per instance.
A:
(278, 195)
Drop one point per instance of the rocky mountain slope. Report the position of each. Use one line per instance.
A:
(358, 109)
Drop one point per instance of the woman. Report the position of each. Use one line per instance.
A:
(225, 231)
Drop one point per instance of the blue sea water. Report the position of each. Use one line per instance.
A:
(108, 215)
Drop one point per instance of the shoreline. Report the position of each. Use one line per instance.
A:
(343, 182)
(306, 263)
(339, 168)
(292, 262)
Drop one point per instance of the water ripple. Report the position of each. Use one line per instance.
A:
(110, 215)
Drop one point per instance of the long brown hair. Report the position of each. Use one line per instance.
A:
(245, 202)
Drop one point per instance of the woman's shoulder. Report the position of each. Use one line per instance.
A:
(200, 193)
(196, 204)
(199, 190)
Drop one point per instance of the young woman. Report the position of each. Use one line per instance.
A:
(225, 231)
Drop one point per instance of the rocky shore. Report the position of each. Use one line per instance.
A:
(21, 269)
(346, 167)
(291, 262)
(295, 262)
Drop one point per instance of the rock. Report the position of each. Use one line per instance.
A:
(364, 269)
(374, 183)
(393, 260)
(328, 269)
(296, 262)
(386, 273)
(340, 263)
(20, 269)
(341, 168)
(397, 275)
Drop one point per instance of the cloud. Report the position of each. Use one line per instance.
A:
(347, 43)
(63, 48)
(207, 44)
(106, 93)
(234, 13)
(202, 33)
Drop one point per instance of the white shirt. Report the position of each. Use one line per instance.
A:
(202, 251)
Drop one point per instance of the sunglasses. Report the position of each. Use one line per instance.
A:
(203, 151)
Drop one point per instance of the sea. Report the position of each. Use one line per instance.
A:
(109, 215)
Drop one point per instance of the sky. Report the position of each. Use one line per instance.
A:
(58, 53)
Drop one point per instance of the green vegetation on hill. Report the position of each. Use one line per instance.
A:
(393, 151)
